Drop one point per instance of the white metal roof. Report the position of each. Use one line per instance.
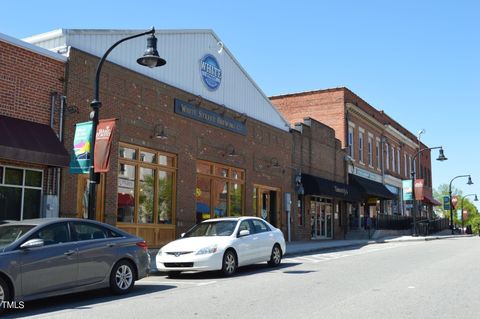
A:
(33, 48)
(183, 50)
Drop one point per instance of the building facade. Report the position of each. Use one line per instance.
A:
(188, 146)
(31, 152)
(381, 153)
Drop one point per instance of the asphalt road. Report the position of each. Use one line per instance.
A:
(434, 279)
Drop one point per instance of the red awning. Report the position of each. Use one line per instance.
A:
(430, 200)
(30, 142)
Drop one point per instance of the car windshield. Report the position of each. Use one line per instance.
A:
(10, 233)
(217, 228)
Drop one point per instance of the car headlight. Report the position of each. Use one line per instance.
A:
(160, 252)
(207, 250)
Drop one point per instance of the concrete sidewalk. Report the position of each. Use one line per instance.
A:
(298, 247)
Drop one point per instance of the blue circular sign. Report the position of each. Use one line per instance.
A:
(211, 72)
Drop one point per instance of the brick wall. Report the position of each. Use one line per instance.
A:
(27, 80)
(139, 103)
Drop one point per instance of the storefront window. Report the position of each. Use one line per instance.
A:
(126, 193)
(128, 153)
(203, 193)
(13, 176)
(236, 199)
(147, 157)
(220, 199)
(33, 178)
(20, 193)
(219, 191)
(146, 197)
(165, 191)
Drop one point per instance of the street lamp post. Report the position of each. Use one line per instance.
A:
(450, 196)
(475, 200)
(441, 157)
(150, 59)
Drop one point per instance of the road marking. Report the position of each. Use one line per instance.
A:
(320, 257)
(178, 282)
(411, 287)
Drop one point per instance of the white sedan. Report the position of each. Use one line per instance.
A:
(223, 244)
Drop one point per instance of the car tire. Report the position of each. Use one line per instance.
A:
(174, 274)
(122, 278)
(229, 263)
(4, 293)
(276, 256)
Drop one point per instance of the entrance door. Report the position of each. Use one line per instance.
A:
(266, 204)
(321, 219)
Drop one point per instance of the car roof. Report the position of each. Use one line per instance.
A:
(44, 221)
(231, 218)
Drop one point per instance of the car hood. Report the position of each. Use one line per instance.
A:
(195, 243)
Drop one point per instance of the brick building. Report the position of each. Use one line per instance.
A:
(322, 194)
(381, 153)
(186, 147)
(31, 153)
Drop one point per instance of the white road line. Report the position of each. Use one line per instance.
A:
(177, 282)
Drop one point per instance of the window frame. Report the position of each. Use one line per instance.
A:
(137, 163)
(23, 186)
(213, 177)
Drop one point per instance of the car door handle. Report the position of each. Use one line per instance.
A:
(110, 245)
(69, 252)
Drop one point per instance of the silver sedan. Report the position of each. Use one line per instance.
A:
(47, 257)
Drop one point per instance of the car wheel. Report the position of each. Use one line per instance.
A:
(174, 274)
(276, 256)
(229, 265)
(4, 293)
(122, 278)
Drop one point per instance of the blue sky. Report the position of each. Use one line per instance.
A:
(419, 61)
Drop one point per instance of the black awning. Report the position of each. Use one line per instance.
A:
(30, 142)
(314, 185)
(371, 188)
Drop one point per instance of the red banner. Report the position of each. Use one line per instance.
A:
(103, 143)
(419, 189)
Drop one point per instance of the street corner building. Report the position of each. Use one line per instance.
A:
(32, 83)
(194, 139)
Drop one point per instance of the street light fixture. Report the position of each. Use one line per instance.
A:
(150, 59)
(450, 196)
(441, 157)
(475, 200)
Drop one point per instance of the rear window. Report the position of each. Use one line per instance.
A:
(10, 233)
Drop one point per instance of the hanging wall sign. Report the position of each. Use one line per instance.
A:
(210, 72)
(80, 158)
(103, 144)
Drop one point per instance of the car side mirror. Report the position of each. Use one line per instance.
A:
(32, 243)
(182, 235)
(244, 232)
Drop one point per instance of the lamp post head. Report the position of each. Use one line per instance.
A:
(151, 58)
(469, 181)
(441, 156)
(475, 199)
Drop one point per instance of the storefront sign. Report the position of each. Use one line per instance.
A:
(368, 175)
(209, 117)
(407, 189)
(340, 190)
(419, 189)
(80, 158)
(210, 72)
(103, 143)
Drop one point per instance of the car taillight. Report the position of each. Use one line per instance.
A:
(143, 245)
